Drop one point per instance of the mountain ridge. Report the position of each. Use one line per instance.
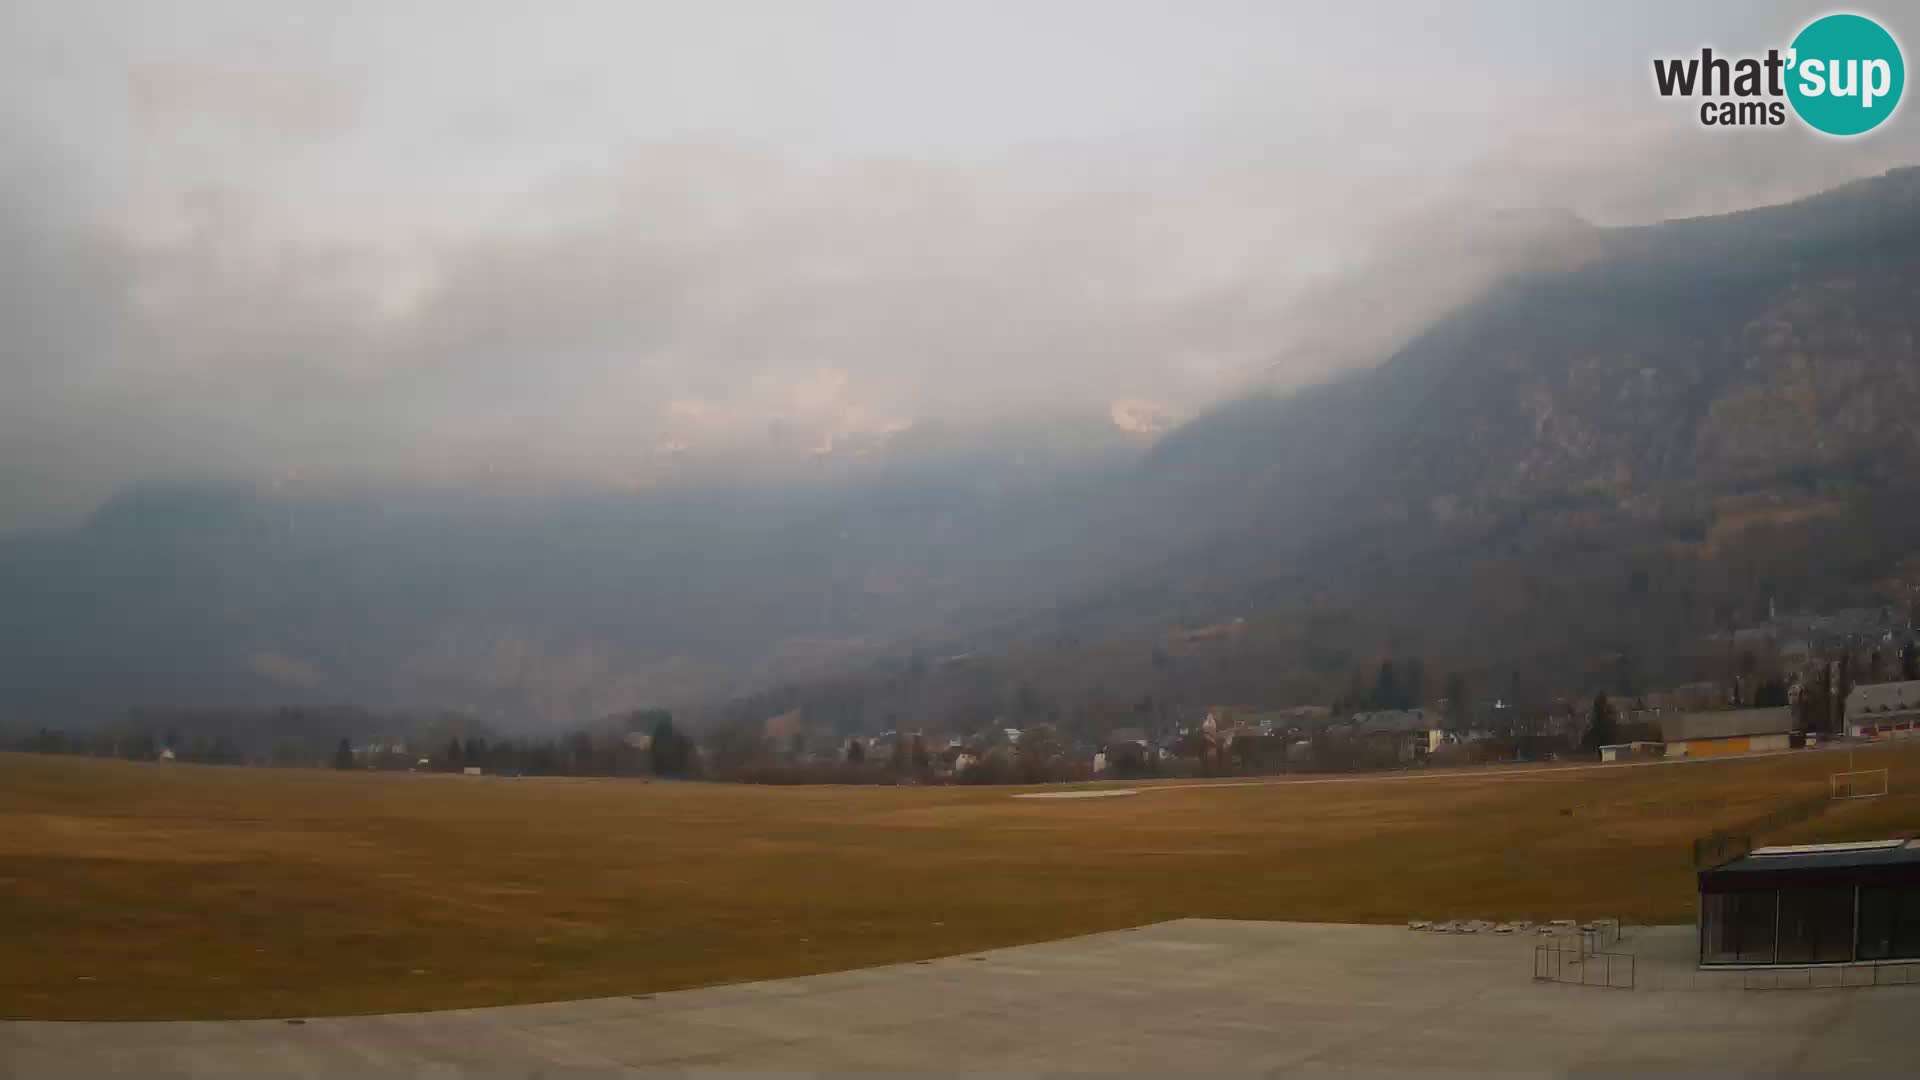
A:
(1717, 409)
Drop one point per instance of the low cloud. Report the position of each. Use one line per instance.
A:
(281, 104)
(293, 289)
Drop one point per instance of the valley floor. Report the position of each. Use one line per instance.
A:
(150, 892)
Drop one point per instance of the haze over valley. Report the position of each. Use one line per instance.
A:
(604, 382)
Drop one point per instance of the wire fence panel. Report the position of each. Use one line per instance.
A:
(1837, 976)
(1620, 971)
(1820, 977)
(1576, 966)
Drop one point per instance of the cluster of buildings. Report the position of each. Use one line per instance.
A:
(1686, 721)
(1805, 636)
(1693, 720)
(790, 737)
(1883, 710)
(1284, 736)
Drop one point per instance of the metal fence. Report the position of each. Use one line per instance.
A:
(1598, 935)
(1556, 963)
(1830, 977)
(1729, 844)
(1802, 977)
(1595, 935)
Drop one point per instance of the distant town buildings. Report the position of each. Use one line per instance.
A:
(780, 731)
(1883, 708)
(1640, 749)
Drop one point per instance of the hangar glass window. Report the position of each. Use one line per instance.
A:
(1890, 922)
(1816, 925)
(1737, 928)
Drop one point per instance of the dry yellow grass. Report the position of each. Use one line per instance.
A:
(148, 891)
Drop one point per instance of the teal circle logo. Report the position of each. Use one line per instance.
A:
(1846, 74)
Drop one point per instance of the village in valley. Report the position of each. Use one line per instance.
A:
(1790, 681)
(1793, 681)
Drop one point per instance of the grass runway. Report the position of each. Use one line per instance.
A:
(147, 891)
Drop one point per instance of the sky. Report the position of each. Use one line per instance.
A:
(577, 243)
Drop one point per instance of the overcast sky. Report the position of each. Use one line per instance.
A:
(570, 241)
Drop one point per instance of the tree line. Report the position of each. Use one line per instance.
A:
(296, 738)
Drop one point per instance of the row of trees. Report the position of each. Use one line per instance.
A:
(666, 752)
(1403, 685)
(141, 746)
(1393, 687)
(609, 749)
(1040, 754)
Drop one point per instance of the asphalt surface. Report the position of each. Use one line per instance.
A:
(1186, 996)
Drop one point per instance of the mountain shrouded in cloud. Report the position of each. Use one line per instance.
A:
(545, 363)
(467, 245)
(1655, 426)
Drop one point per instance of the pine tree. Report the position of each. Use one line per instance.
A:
(1413, 688)
(1456, 702)
(1843, 689)
(1814, 695)
(1385, 694)
(1600, 729)
(670, 749)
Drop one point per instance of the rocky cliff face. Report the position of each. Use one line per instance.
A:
(1690, 358)
(1720, 412)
